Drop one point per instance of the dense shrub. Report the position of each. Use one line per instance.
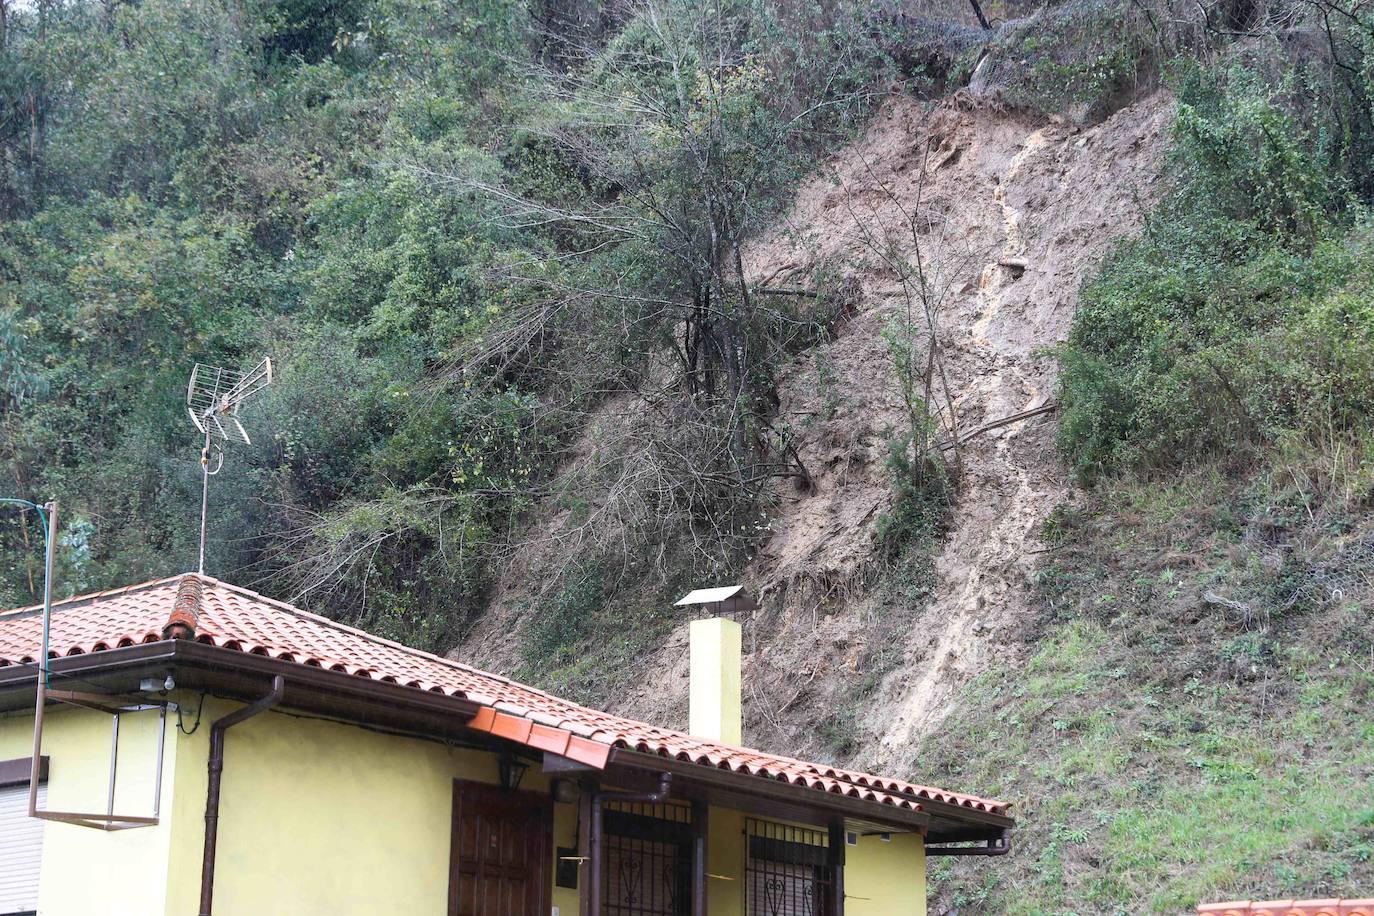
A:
(1241, 315)
(1086, 58)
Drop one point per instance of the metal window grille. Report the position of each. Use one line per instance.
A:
(789, 871)
(647, 860)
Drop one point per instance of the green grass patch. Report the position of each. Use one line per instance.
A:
(1153, 766)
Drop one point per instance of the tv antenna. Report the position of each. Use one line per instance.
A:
(214, 397)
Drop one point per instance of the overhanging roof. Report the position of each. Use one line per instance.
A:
(233, 631)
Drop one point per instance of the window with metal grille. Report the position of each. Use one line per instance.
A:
(789, 871)
(647, 860)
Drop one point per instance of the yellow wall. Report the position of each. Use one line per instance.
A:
(322, 817)
(886, 879)
(120, 873)
(725, 857)
(880, 878)
(315, 817)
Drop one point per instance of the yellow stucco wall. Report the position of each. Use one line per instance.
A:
(886, 878)
(120, 873)
(323, 817)
(315, 817)
(880, 878)
(725, 858)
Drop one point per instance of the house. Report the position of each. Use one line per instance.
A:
(201, 748)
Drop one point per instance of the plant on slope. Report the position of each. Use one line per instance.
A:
(685, 132)
(1239, 317)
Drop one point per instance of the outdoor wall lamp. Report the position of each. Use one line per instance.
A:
(510, 771)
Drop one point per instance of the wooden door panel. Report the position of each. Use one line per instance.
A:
(500, 852)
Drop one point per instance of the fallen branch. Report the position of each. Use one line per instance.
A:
(785, 291)
(995, 424)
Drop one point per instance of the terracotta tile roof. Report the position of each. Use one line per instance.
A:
(1362, 907)
(226, 616)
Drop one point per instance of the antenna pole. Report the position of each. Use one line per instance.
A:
(44, 678)
(213, 398)
(204, 495)
(51, 512)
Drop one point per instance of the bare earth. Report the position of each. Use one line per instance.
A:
(1015, 213)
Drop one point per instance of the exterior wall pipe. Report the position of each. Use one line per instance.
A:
(700, 812)
(47, 512)
(216, 766)
(658, 796)
(995, 847)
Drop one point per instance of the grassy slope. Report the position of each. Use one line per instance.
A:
(1163, 750)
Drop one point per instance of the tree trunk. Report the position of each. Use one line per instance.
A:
(978, 11)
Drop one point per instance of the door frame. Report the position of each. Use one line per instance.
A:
(539, 804)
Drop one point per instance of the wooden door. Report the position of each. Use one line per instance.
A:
(499, 862)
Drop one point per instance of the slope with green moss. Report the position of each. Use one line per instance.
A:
(1193, 718)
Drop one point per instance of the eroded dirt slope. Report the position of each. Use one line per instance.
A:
(1013, 213)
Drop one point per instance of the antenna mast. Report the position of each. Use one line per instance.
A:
(213, 399)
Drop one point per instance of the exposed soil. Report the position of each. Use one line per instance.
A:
(1014, 212)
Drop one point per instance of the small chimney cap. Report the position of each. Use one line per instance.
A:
(723, 598)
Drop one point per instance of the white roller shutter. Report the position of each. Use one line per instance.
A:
(21, 850)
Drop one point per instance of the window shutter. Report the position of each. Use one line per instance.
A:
(21, 849)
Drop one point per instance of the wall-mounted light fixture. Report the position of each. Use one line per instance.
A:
(510, 771)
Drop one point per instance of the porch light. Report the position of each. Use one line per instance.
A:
(510, 771)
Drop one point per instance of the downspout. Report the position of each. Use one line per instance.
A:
(998, 846)
(216, 766)
(651, 798)
(699, 831)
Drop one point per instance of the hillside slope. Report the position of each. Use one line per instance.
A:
(1169, 676)
(1026, 209)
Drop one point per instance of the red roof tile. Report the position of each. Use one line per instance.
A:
(1334, 907)
(233, 618)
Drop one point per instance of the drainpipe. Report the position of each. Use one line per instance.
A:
(998, 846)
(699, 827)
(651, 798)
(216, 765)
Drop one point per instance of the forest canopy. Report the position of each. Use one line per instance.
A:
(455, 228)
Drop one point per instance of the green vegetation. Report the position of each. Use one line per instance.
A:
(1241, 318)
(1188, 718)
(1086, 58)
(216, 181)
(458, 228)
(1191, 719)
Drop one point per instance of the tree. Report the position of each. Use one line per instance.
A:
(686, 130)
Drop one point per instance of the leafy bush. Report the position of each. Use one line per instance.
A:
(923, 499)
(559, 621)
(1086, 57)
(1241, 314)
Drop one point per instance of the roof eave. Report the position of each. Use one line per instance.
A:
(950, 822)
(241, 675)
(764, 796)
(362, 700)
